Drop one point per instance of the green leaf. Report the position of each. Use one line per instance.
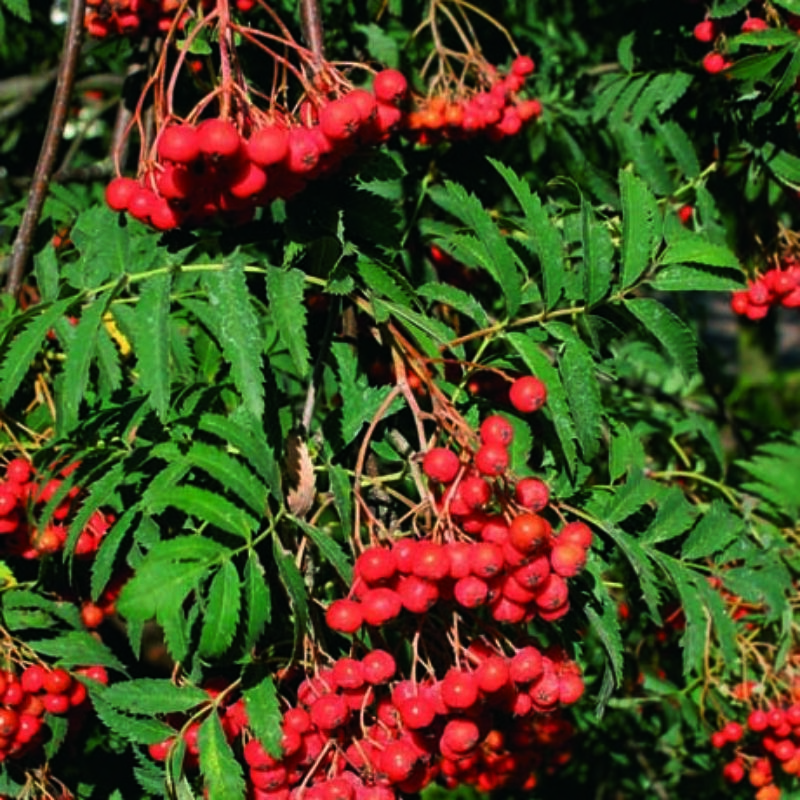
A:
(169, 571)
(152, 341)
(693, 639)
(497, 256)
(76, 649)
(681, 147)
(727, 8)
(724, 626)
(330, 549)
(578, 371)
(378, 280)
(544, 236)
(139, 730)
(775, 467)
(25, 347)
(207, 506)
(103, 564)
(108, 363)
(151, 696)
(675, 515)
(458, 299)
(175, 628)
(360, 402)
(626, 452)
(45, 269)
(607, 95)
(221, 615)
(292, 582)
(222, 773)
(631, 496)
(674, 336)
(557, 403)
(771, 37)
(683, 278)
(714, 531)
(247, 436)
(239, 332)
(640, 561)
(619, 111)
(19, 8)
(641, 227)
(285, 289)
(625, 51)
(264, 713)
(598, 253)
(699, 250)
(785, 166)
(257, 600)
(230, 473)
(768, 585)
(104, 246)
(429, 326)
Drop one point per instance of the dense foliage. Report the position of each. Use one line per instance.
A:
(414, 415)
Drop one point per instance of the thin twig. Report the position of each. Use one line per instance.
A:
(55, 127)
(311, 21)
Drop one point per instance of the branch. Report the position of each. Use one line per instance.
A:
(311, 22)
(55, 127)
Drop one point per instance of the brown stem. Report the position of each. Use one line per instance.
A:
(311, 21)
(44, 166)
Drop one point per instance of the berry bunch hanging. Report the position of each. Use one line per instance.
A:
(232, 153)
(777, 286)
(22, 498)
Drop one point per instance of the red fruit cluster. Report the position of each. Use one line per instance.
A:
(360, 732)
(712, 30)
(778, 286)
(27, 695)
(496, 109)
(21, 497)
(768, 742)
(140, 17)
(218, 167)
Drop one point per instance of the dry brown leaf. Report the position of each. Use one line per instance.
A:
(300, 472)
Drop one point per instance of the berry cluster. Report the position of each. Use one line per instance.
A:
(21, 498)
(494, 109)
(712, 31)
(25, 696)
(769, 741)
(140, 17)
(224, 167)
(778, 286)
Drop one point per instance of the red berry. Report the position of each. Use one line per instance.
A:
(376, 564)
(179, 143)
(733, 771)
(570, 688)
(685, 214)
(441, 464)
(508, 612)
(218, 138)
(493, 674)
(8, 500)
(18, 470)
(416, 712)
(432, 561)
(487, 560)
(475, 492)
(522, 65)
(250, 182)
(526, 665)
(397, 761)
(160, 750)
(705, 31)
(268, 145)
(344, 616)
(92, 615)
(757, 721)
(461, 735)
(416, 594)
(9, 723)
(471, 592)
(576, 533)
(531, 493)
(528, 394)
(56, 703)
(340, 119)
(98, 674)
(567, 559)
(348, 673)
(32, 678)
(553, 593)
(497, 430)
(733, 731)
(379, 667)
(714, 62)
(390, 86)
(529, 533)
(491, 460)
(329, 712)
(119, 193)
(754, 24)
(304, 152)
(57, 682)
(459, 689)
(784, 750)
(29, 726)
(718, 740)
